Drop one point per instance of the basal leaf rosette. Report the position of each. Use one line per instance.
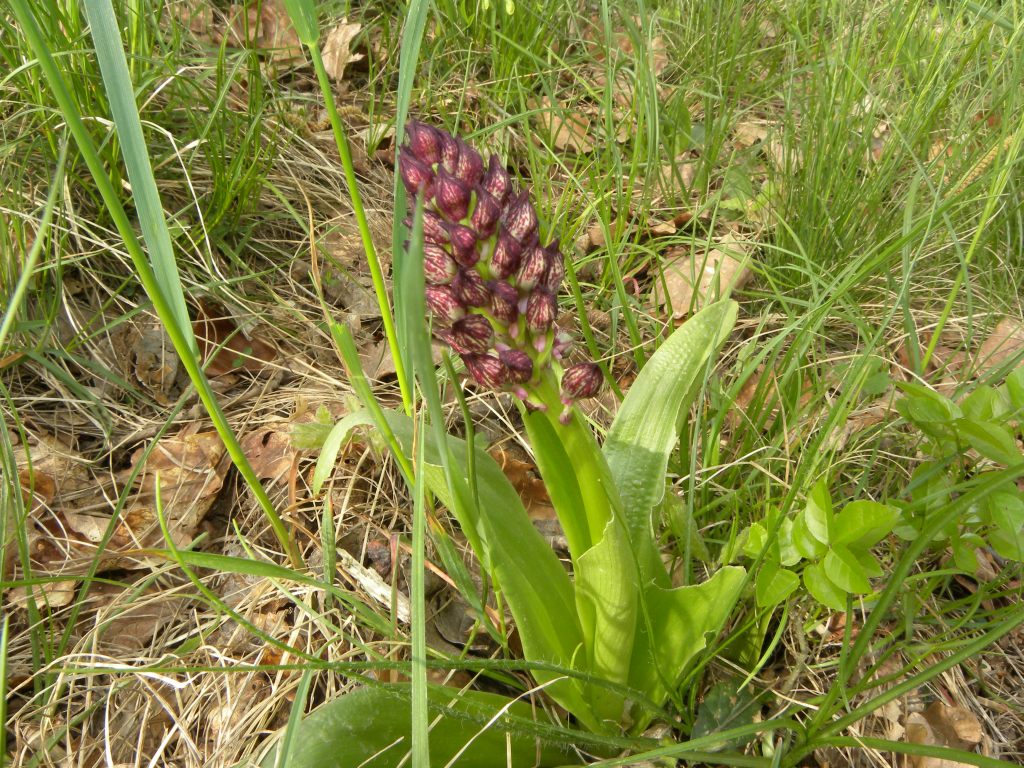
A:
(491, 283)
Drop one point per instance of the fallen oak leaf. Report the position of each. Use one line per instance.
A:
(223, 345)
(337, 50)
(695, 279)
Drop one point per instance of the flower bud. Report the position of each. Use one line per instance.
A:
(438, 267)
(486, 213)
(472, 335)
(496, 182)
(449, 152)
(433, 228)
(443, 303)
(504, 301)
(563, 343)
(451, 196)
(487, 370)
(416, 176)
(541, 310)
(532, 269)
(470, 290)
(520, 218)
(505, 259)
(518, 363)
(464, 242)
(581, 381)
(553, 278)
(424, 141)
(470, 166)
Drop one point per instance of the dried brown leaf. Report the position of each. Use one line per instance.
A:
(942, 725)
(337, 49)
(1005, 343)
(525, 479)
(569, 130)
(224, 347)
(696, 279)
(270, 451)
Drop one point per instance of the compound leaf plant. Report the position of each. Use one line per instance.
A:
(610, 642)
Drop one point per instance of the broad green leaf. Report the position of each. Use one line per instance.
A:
(963, 554)
(1007, 511)
(774, 584)
(822, 588)
(757, 537)
(371, 726)
(533, 582)
(1015, 388)
(985, 403)
(818, 512)
(843, 568)
(607, 600)
(683, 620)
(993, 441)
(788, 553)
(868, 563)
(864, 523)
(329, 451)
(646, 428)
(805, 543)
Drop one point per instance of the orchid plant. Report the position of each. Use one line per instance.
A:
(612, 641)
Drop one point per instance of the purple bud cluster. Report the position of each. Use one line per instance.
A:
(491, 284)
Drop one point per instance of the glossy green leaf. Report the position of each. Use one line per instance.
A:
(818, 512)
(1015, 388)
(646, 428)
(842, 567)
(607, 600)
(1007, 512)
(822, 587)
(774, 584)
(371, 726)
(868, 563)
(991, 440)
(683, 620)
(985, 403)
(788, 553)
(757, 538)
(725, 706)
(805, 543)
(864, 523)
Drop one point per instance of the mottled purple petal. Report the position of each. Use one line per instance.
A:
(518, 363)
(424, 141)
(541, 310)
(443, 302)
(486, 213)
(416, 176)
(449, 151)
(520, 218)
(469, 288)
(504, 301)
(464, 244)
(532, 268)
(487, 370)
(496, 181)
(507, 252)
(451, 196)
(473, 335)
(470, 165)
(438, 266)
(581, 381)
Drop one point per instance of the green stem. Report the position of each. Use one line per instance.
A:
(376, 273)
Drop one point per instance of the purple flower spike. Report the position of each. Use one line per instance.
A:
(469, 289)
(438, 267)
(470, 166)
(519, 364)
(487, 370)
(504, 301)
(416, 176)
(581, 381)
(424, 141)
(532, 269)
(443, 302)
(496, 181)
(541, 310)
(451, 196)
(433, 228)
(520, 218)
(473, 335)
